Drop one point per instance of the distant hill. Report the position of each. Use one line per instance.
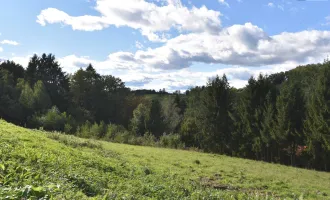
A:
(42, 165)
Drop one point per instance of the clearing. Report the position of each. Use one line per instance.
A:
(41, 165)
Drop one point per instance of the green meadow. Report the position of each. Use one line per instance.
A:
(41, 165)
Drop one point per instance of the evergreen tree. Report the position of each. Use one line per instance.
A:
(289, 120)
(47, 69)
(317, 124)
(156, 122)
(10, 108)
(16, 70)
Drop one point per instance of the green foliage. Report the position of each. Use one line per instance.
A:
(26, 100)
(208, 113)
(46, 69)
(171, 112)
(74, 141)
(53, 119)
(317, 124)
(16, 70)
(10, 108)
(113, 130)
(41, 98)
(171, 141)
(84, 130)
(140, 120)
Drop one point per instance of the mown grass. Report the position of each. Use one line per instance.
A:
(41, 165)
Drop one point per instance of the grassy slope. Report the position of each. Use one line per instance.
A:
(37, 164)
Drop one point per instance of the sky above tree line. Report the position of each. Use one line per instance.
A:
(172, 44)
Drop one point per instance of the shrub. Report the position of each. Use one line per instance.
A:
(94, 130)
(52, 120)
(123, 137)
(67, 128)
(113, 130)
(84, 130)
(134, 140)
(148, 139)
(171, 141)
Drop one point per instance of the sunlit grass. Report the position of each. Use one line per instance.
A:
(36, 164)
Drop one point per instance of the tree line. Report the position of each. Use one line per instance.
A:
(281, 118)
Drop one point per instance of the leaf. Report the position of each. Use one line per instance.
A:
(2, 166)
(38, 189)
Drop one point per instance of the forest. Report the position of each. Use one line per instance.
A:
(279, 118)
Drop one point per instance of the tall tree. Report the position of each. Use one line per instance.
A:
(156, 122)
(48, 70)
(41, 97)
(10, 109)
(140, 120)
(15, 69)
(317, 124)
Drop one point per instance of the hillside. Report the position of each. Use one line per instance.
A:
(36, 164)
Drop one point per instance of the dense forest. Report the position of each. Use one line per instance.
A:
(281, 118)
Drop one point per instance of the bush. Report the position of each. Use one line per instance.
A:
(67, 128)
(53, 120)
(134, 140)
(171, 141)
(149, 139)
(123, 137)
(84, 130)
(113, 130)
(94, 131)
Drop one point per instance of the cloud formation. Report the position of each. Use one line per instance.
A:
(279, 6)
(152, 20)
(270, 4)
(223, 2)
(9, 42)
(245, 49)
(327, 21)
(242, 45)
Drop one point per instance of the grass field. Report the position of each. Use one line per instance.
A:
(41, 165)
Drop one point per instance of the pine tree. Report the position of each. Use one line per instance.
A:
(156, 121)
(317, 124)
(289, 120)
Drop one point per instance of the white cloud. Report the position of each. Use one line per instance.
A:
(242, 45)
(1, 49)
(22, 60)
(239, 45)
(223, 2)
(150, 19)
(176, 3)
(138, 45)
(9, 42)
(279, 6)
(270, 4)
(327, 21)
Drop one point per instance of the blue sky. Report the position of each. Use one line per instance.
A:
(168, 44)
